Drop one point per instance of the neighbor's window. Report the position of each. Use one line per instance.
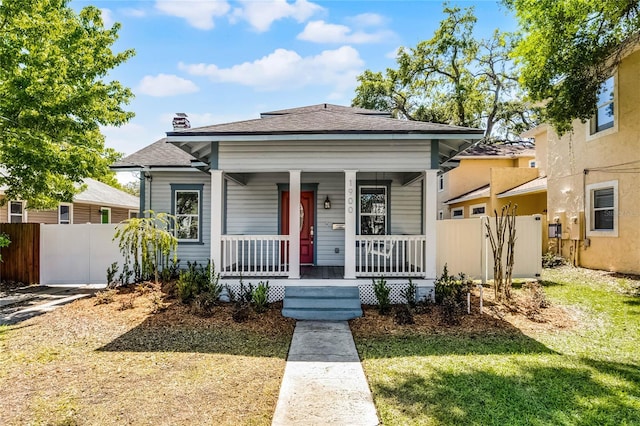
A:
(440, 183)
(440, 215)
(187, 212)
(64, 214)
(532, 163)
(133, 214)
(478, 209)
(457, 213)
(373, 210)
(603, 206)
(105, 215)
(604, 117)
(16, 212)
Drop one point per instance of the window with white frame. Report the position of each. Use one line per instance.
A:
(532, 163)
(133, 214)
(440, 183)
(105, 215)
(478, 209)
(457, 213)
(602, 209)
(16, 212)
(65, 214)
(604, 117)
(187, 213)
(373, 209)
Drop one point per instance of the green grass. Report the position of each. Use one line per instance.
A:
(588, 375)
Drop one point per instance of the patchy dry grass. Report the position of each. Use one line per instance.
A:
(100, 364)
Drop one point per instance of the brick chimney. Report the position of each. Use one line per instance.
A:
(180, 121)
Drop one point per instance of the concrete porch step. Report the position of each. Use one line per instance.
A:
(325, 303)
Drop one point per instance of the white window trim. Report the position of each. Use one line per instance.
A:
(616, 115)
(24, 210)
(476, 206)
(70, 205)
(108, 209)
(386, 207)
(175, 203)
(588, 206)
(132, 211)
(532, 164)
(453, 216)
(440, 183)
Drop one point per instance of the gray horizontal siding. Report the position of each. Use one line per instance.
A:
(317, 156)
(159, 194)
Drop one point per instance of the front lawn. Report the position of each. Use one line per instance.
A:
(583, 372)
(119, 363)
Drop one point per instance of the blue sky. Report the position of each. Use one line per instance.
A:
(222, 61)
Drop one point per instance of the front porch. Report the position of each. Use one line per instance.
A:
(355, 236)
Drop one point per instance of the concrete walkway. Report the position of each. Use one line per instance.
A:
(323, 382)
(23, 303)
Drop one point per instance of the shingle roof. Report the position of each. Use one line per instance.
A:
(325, 121)
(531, 187)
(159, 153)
(509, 150)
(328, 107)
(482, 192)
(100, 193)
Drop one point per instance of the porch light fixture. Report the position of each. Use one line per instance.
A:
(327, 203)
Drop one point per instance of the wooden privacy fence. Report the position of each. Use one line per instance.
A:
(21, 260)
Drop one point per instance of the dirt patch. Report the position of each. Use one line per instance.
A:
(121, 363)
(495, 318)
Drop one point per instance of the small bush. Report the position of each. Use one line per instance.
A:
(535, 300)
(382, 292)
(451, 293)
(128, 302)
(260, 297)
(171, 271)
(157, 303)
(203, 304)
(403, 315)
(552, 260)
(185, 287)
(111, 274)
(409, 294)
(4, 241)
(105, 297)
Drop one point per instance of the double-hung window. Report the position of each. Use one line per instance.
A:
(373, 202)
(604, 118)
(16, 212)
(602, 209)
(187, 209)
(65, 212)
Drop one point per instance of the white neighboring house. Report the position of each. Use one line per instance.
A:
(98, 203)
(356, 188)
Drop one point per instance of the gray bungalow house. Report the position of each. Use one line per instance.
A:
(311, 198)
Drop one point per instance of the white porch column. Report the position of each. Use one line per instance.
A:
(350, 224)
(294, 224)
(217, 216)
(430, 209)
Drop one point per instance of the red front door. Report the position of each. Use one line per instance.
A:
(307, 221)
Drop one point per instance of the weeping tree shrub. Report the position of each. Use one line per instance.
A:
(503, 237)
(148, 244)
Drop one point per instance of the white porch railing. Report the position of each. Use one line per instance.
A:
(255, 255)
(390, 255)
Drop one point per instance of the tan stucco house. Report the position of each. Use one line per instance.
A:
(487, 177)
(592, 177)
(97, 203)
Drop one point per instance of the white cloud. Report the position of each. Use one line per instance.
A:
(134, 13)
(393, 54)
(323, 32)
(286, 69)
(367, 20)
(261, 14)
(199, 14)
(107, 17)
(163, 85)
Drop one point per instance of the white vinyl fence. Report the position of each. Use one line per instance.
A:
(463, 245)
(77, 254)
